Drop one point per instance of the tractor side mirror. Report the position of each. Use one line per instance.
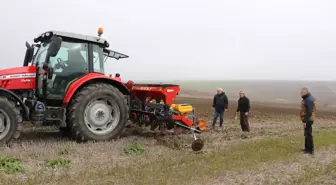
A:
(29, 54)
(54, 46)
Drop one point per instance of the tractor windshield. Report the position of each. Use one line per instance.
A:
(41, 55)
(70, 63)
(71, 57)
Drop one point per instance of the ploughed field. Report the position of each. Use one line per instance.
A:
(269, 154)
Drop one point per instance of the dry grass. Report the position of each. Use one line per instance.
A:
(181, 167)
(295, 169)
(323, 180)
(313, 171)
(141, 158)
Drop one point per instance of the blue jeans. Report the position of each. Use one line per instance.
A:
(221, 118)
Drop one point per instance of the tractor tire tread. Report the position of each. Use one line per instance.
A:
(18, 119)
(75, 104)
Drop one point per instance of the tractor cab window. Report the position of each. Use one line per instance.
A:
(70, 63)
(98, 59)
(71, 58)
(40, 57)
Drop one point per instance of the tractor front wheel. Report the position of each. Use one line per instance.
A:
(98, 112)
(10, 121)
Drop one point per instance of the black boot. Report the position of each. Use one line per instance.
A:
(309, 152)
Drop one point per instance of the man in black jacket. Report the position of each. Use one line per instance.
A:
(244, 109)
(220, 103)
(307, 114)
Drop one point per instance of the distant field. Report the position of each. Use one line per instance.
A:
(263, 91)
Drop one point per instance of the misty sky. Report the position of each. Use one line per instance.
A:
(189, 39)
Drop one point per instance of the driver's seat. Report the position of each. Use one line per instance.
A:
(76, 61)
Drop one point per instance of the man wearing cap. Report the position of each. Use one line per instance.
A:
(220, 104)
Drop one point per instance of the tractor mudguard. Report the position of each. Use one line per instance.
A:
(93, 78)
(10, 94)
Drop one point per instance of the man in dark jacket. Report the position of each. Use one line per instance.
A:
(307, 114)
(220, 103)
(244, 109)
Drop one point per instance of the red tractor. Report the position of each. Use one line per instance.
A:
(62, 81)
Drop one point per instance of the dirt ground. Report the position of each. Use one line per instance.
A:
(140, 157)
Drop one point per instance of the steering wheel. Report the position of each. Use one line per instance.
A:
(60, 63)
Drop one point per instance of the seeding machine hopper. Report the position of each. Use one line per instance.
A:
(62, 81)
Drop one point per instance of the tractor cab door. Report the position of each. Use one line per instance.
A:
(70, 63)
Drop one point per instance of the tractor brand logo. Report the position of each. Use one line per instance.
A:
(15, 76)
(170, 90)
(25, 80)
(40, 107)
(145, 88)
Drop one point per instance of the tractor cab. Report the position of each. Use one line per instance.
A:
(64, 57)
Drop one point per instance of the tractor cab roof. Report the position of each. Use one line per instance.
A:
(69, 35)
(86, 38)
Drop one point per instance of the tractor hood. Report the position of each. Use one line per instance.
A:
(18, 72)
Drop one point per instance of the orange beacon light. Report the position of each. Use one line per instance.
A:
(100, 31)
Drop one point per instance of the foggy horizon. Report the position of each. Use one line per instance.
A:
(189, 40)
(236, 80)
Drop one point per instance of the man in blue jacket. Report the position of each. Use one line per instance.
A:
(220, 104)
(307, 114)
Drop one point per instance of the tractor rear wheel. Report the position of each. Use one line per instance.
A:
(10, 121)
(97, 112)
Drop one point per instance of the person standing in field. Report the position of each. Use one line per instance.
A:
(307, 114)
(220, 104)
(243, 109)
